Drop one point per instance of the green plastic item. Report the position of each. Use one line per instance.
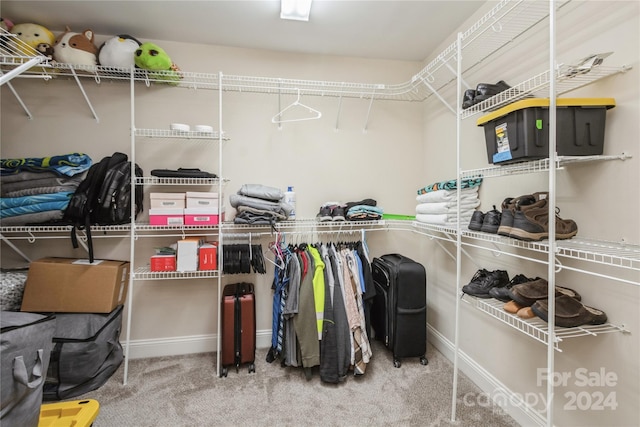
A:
(399, 217)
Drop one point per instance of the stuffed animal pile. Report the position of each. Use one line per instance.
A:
(120, 52)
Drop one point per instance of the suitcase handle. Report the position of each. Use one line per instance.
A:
(20, 371)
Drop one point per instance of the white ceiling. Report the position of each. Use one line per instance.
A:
(392, 29)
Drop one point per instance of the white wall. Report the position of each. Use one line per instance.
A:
(601, 197)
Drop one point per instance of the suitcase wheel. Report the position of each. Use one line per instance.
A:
(396, 363)
(224, 372)
(423, 360)
(252, 368)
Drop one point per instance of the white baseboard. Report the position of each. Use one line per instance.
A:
(140, 349)
(509, 402)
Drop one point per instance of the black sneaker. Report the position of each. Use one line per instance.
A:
(477, 218)
(483, 281)
(324, 214)
(491, 221)
(502, 294)
(338, 214)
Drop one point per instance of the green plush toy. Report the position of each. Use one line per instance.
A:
(152, 57)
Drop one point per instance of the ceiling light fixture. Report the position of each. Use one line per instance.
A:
(297, 10)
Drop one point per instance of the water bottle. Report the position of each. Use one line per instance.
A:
(290, 199)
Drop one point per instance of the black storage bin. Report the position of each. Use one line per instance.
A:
(86, 352)
(25, 346)
(520, 131)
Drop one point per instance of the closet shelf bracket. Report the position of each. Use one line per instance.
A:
(435, 92)
(15, 248)
(84, 93)
(22, 104)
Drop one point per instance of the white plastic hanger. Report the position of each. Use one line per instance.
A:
(278, 117)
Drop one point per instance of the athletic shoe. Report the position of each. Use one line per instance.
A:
(477, 218)
(509, 207)
(502, 293)
(338, 214)
(483, 281)
(491, 221)
(324, 214)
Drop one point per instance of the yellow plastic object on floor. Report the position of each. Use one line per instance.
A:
(75, 413)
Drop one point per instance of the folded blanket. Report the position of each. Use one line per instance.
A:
(447, 207)
(441, 219)
(66, 164)
(448, 195)
(261, 192)
(12, 202)
(451, 184)
(33, 218)
(34, 208)
(282, 208)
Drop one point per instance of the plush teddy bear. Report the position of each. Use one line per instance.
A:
(118, 51)
(32, 34)
(152, 57)
(75, 48)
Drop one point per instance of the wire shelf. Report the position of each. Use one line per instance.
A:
(176, 134)
(38, 229)
(540, 165)
(146, 227)
(537, 328)
(145, 273)
(156, 180)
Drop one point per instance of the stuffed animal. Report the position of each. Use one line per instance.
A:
(32, 34)
(75, 48)
(45, 49)
(152, 57)
(6, 24)
(118, 51)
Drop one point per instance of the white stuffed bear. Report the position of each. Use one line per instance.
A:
(75, 48)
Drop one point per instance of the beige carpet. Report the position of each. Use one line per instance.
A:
(185, 391)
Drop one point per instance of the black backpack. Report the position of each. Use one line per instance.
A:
(103, 197)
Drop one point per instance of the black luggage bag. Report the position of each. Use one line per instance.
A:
(399, 311)
(86, 353)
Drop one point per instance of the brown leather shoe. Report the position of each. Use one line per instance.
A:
(570, 312)
(531, 223)
(509, 207)
(527, 293)
(512, 307)
(526, 313)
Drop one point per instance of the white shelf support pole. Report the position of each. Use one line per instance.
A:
(338, 113)
(15, 248)
(456, 340)
(22, 104)
(552, 213)
(84, 94)
(220, 232)
(435, 92)
(366, 123)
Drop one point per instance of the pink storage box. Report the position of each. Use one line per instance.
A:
(167, 200)
(166, 217)
(202, 216)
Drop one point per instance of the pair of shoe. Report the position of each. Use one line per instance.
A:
(528, 293)
(527, 218)
(486, 222)
(570, 312)
(331, 212)
(483, 281)
(482, 92)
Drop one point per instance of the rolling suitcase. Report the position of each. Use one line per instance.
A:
(399, 311)
(238, 327)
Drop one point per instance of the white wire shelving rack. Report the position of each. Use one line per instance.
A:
(537, 328)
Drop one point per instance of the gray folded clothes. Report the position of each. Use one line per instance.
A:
(32, 218)
(248, 217)
(28, 175)
(282, 208)
(261, 212)
(42, 185)
(261, 192)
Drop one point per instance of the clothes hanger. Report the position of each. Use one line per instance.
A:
(278, 117)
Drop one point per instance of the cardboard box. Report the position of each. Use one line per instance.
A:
(166, 216)
(208, 256)
(69, 285)
(167, 200)
(163, 263)
(199, 199)
(202, 216)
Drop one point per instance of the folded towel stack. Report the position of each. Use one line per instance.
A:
(440, 207)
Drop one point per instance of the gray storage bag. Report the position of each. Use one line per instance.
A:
(25, 346)
(86, 352)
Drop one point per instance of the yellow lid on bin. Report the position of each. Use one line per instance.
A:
(544, 102)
